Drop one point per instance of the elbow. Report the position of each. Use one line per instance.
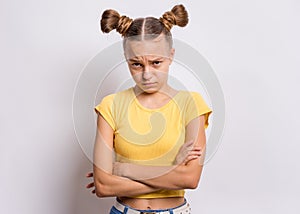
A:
(102, 190)
(192, 177)
(102, 184)
(192, 182)
(189, 179)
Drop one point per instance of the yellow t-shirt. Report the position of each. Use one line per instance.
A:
(151, 136)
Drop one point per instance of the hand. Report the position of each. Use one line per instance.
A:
(90, 185)
(187, 152)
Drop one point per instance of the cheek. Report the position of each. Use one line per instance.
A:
(137, 76)
(162, 73)
(133, 72)
(164, 68)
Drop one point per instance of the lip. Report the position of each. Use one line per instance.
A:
(150, 83)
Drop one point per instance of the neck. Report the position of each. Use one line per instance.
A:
(163, 91)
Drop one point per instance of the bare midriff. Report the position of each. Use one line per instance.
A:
(152, 203)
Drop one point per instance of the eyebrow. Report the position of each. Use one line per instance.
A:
(136, 60)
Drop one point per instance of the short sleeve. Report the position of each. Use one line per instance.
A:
(197, 106)
(105, 109)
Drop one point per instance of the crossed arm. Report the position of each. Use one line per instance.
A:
(106, 184)
(124, 179)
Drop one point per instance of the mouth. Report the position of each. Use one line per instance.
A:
(149, 83)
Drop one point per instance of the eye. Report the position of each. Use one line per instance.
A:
(157, 62)
(137, 64)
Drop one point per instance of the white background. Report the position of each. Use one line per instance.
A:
(253, 46)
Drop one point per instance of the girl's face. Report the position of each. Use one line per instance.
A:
(149, 62)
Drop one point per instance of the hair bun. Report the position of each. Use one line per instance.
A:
(123, 24)
(177, 16)
(111, 19)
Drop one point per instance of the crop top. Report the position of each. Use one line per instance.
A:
(151, 136)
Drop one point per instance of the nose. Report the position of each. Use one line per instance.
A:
(147, 72)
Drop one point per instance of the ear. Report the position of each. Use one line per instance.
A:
(172, 53)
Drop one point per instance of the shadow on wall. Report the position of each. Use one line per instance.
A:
(87, 202)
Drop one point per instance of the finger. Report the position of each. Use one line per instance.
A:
(195, 152)
(90, 174)
(198, 148)
(195, 149)
(193, 155)
(192, 151)
(190, 158)
(90, 185)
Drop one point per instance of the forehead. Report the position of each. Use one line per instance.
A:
(150, 58)
(152, 48)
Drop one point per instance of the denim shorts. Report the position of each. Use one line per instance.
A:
(183, 208)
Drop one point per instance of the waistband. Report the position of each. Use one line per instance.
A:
(181, 209)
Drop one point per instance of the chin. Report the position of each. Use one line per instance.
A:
(149, 89)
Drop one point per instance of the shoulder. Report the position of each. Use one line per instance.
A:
(193, 100)
(116, 96)
(190, 95)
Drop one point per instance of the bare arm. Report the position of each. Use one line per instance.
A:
(107, 184)
(181, 176)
